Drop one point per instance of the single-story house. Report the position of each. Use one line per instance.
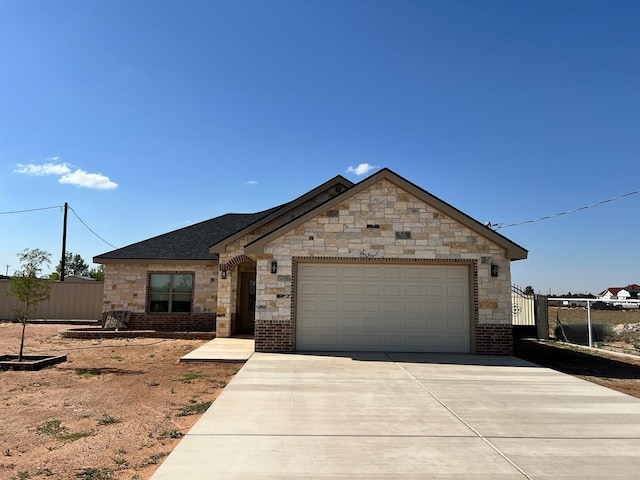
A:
(630, 292)
(380, 265)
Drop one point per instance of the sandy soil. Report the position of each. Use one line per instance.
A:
(114, 410)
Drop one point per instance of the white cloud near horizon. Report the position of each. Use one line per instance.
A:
(361, 169)
(252, 182)
(79, 177)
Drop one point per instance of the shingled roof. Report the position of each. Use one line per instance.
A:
(188, 243)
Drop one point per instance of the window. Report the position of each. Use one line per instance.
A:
(170, 292)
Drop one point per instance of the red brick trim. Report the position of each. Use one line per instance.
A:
(274, 336)
(494, 339)
(237, 260)
(198, 322)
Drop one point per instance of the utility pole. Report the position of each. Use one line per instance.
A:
(6, 273)
(64, 243)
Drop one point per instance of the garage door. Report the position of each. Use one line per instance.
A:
(382, 307)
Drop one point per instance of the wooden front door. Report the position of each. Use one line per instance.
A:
(247, 301)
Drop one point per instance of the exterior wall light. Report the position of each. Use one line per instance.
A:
(274, 267)
(494, 270)
(224, 274)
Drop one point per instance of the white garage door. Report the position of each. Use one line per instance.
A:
(382, 307)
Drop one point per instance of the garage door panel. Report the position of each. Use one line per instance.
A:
(350, 289)
(393, 290)
(370, 322)
(383, 307)
(349, 322)
(392, 323)
(414, 290)
(372, 306)
(412, 324)
(374, 290)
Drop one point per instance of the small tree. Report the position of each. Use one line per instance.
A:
(529, 290)
(27, 286)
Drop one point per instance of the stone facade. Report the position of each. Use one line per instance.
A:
(377, 221)
(384, 222)
(126, 287)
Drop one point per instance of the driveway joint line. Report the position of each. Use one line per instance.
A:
(476, 432)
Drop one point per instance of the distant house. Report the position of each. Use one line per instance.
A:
(630, 292)
(378, 265)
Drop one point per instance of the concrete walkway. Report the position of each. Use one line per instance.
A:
(222, 350)
(379, 416)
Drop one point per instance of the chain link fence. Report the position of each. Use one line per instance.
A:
(610, 324)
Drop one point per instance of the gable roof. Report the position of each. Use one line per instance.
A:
(188, 243)
(339, 180)
(513, 250)
(202, 241)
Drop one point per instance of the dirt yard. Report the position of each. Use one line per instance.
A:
(114, 410)
(117, 408)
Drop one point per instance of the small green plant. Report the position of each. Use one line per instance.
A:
(55, 429)
(119, 461)
(87, 372)
(121, 451)
(23, 475)
(187, 377)
(194, 409)
(95, 474)
(171, 434)
(152, 383)
(119, 358)
(154, 458)
(108, 420)
(52, 428)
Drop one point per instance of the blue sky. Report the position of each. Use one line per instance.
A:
(147, 116)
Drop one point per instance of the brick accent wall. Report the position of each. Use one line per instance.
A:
(494, 339)
(198, 322)
(276, 336)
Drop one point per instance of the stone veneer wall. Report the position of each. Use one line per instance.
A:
(125, 288)
(365, 226)
(228, 287)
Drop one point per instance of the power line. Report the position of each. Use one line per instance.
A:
(61, 206)
(89, 228)
(31, 210)
(497, 226)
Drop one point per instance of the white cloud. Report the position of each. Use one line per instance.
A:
(81, 178)
(252, 182)
(361, 169)
(44, 169)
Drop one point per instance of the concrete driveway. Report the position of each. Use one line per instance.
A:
(389, 416)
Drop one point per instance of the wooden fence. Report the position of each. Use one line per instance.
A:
(68, 301)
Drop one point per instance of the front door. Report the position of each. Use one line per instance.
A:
(247, 301)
